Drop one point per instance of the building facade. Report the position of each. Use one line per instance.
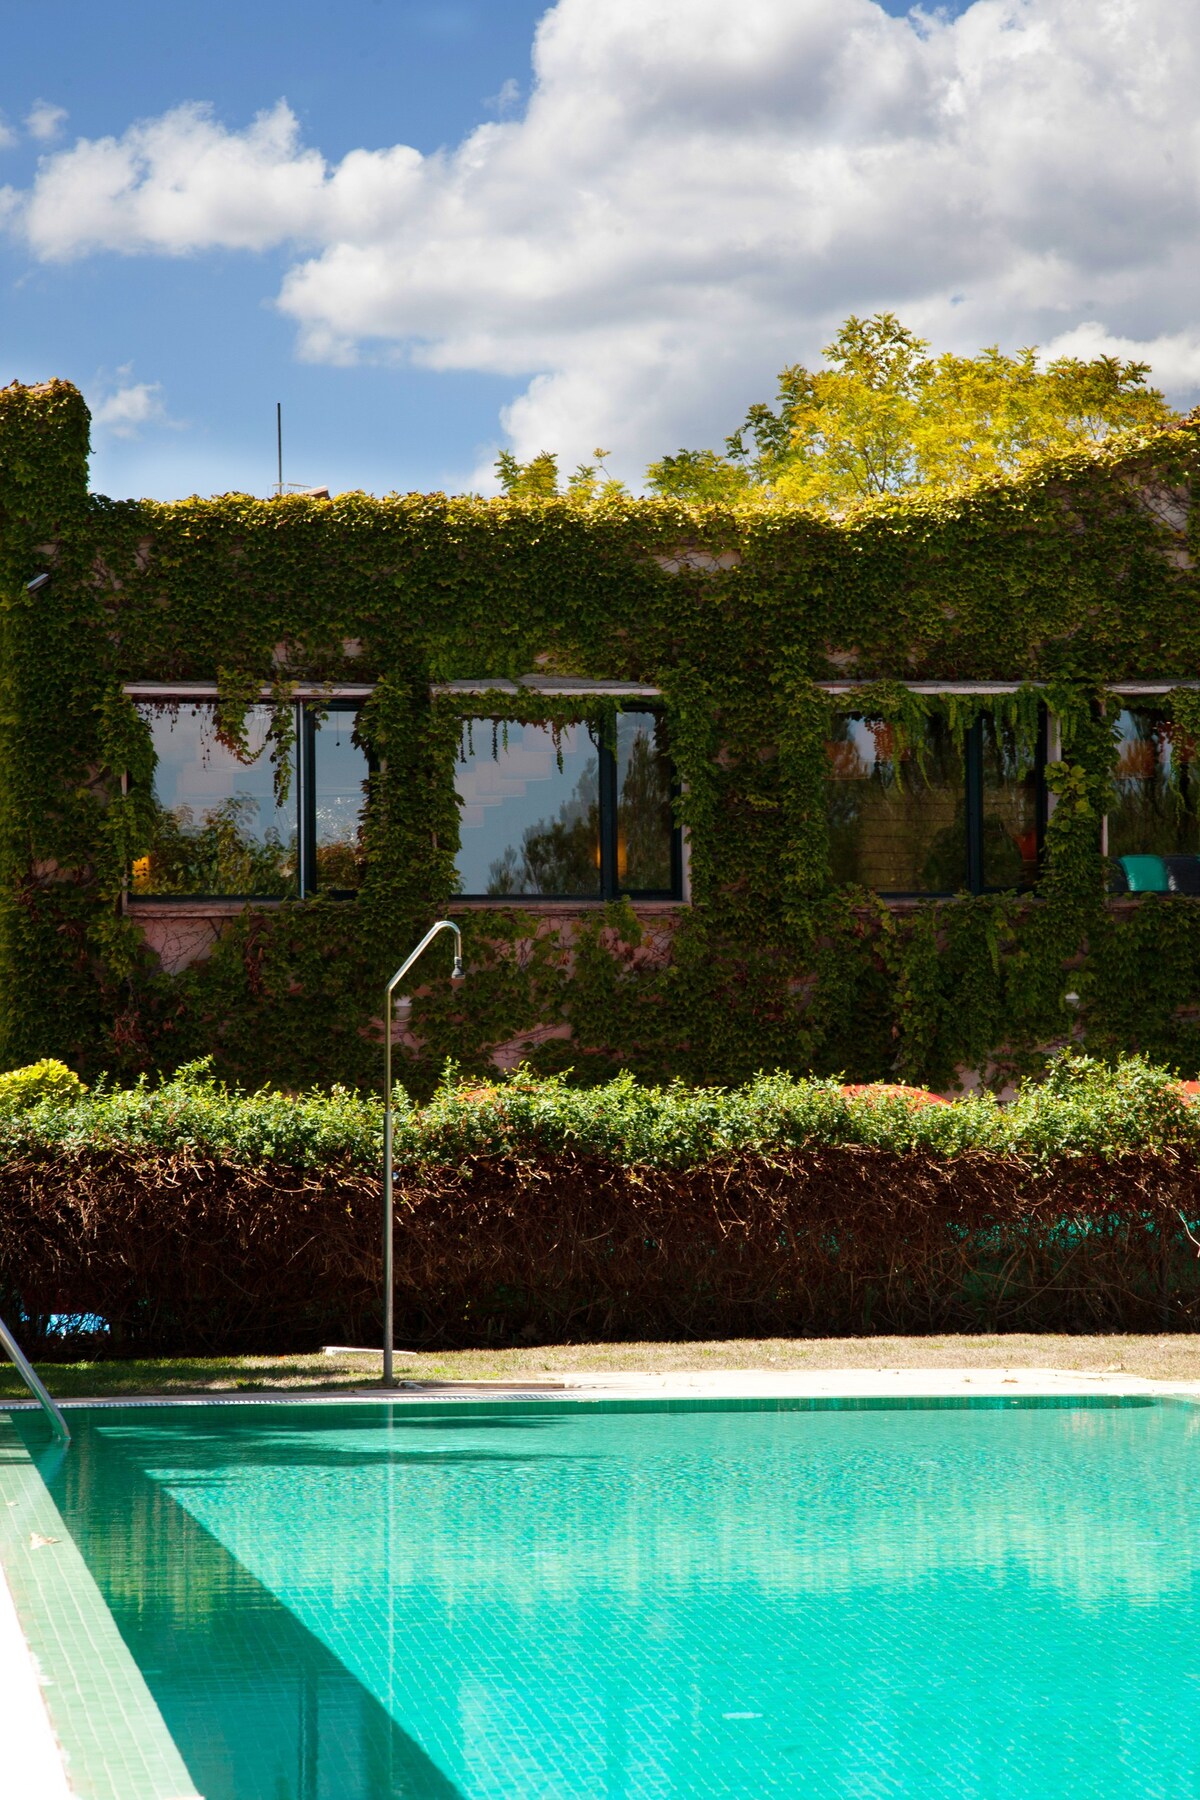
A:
(711, 791)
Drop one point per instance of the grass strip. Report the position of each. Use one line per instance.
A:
(1168, 1356)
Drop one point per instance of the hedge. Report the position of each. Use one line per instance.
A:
(193, 1218)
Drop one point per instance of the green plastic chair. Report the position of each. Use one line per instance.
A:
(1145, 874)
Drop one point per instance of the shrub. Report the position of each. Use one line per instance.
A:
(45, 1080)
(1083, 1107)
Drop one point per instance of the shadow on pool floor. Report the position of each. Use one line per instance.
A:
(259, 1708)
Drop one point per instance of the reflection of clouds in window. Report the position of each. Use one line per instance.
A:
(339, 777)
(218, 827)
(194, 764)
(528, 826)
(567, 817)
(485, 780)
(853, 750)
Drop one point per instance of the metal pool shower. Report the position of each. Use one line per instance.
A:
(389, 991)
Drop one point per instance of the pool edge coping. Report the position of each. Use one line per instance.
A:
(732, 1384)
(29, 1735)
(109, 1737)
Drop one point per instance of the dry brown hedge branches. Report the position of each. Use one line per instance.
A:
(188, 1255)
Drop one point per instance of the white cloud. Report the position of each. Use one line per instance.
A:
(8, 136)
(44, 120)
(507, 99)
(130, 406)
(1173, 356)
(175, 184)
(693, 195)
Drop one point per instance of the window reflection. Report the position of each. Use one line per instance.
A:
(217, 827)
(897, 815)
(530, 810)
(1009, 829)
(1155, 808)
(645, 818)
(339, 779)
(936, 816)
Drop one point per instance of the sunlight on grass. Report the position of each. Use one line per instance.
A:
(1167, 1357)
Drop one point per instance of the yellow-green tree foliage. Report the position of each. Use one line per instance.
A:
(538, 479)
(885, 417)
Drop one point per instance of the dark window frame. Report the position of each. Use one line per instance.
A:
(973, 813)
(610, 887)
(308, 710)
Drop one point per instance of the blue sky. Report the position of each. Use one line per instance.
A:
(681, 197)
(366, 72)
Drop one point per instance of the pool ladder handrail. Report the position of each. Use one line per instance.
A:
(440, 925)
(29, 1376)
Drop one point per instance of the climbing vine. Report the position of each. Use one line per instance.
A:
(1078, 575)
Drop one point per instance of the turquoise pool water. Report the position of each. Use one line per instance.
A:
(544, 1599)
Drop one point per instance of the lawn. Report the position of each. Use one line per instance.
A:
(1168, 1357)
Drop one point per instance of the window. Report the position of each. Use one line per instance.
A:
(219, 830)
(937, 817)
(335, 787)
(1156, 812)
(577, 818)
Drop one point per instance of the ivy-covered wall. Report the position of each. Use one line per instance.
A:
(1080, 574)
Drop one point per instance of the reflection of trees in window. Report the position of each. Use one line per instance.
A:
(218, 824)
(1155, 807)
(847, 767)
(339, 864)
(583, 811)
(645, 821)
(226, 853)
(337, 842)
(937, 815)
(896, 817)
(560, 855)
(1009, 788)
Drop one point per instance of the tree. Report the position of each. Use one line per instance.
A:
(884, 417)
(538, 478)
(700, 475)
(534, 480)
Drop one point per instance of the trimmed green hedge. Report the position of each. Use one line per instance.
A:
(1083, 1108)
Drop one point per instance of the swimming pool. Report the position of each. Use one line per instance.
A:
(360, 1602)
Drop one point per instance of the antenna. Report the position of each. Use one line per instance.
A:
(290, 487)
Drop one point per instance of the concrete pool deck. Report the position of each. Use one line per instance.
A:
(683, 1384)
(763, 1384)
(77, 1721)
